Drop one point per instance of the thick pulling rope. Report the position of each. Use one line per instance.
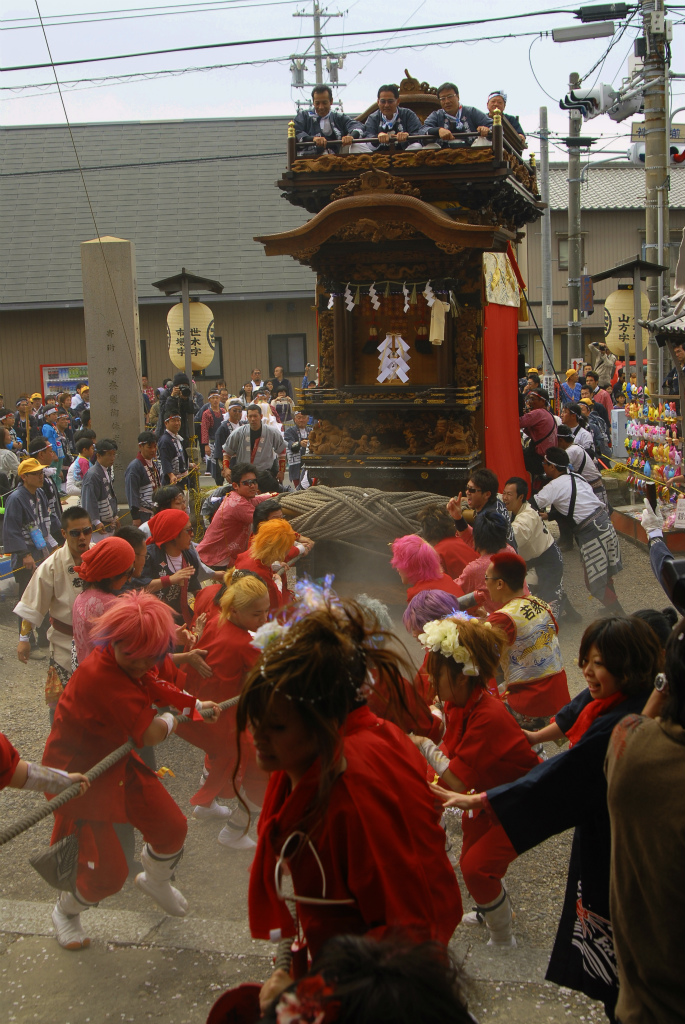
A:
(342, 513)
(12, 831)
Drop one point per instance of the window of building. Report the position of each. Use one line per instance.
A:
(562, 241)
(215, 370)
(288, 351)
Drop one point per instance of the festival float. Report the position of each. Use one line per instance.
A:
(418, 297)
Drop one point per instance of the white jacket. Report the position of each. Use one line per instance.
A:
(532, 536)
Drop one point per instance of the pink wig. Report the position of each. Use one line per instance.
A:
(415, 559)
(141, 623)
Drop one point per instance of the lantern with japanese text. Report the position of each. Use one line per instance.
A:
(201, 335)
(619, 319)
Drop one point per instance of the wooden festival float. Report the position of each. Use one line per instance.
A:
(417, 369)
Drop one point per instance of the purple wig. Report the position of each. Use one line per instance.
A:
(426, 606)
(415, 559)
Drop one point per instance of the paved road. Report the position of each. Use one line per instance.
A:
(144, 966)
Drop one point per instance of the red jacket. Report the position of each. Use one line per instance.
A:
(99, 711)
(230, 656)
(485, 743)
(443, 582)
(229, 531)
(9, 759)
(380, 846)
(455, 555)
(277, 598)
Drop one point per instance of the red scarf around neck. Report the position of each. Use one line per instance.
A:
(589, 713)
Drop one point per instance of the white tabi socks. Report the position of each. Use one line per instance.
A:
(155, 880)
(66, 918)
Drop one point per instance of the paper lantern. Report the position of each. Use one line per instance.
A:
(619, 320)
(201, 335)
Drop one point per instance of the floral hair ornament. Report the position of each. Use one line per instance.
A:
(441, 636)
(310, 1003)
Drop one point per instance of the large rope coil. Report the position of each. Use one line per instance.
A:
(345, 513)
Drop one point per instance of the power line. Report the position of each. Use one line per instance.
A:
(530, 61)
(116, 10)
(234, 6)
(286, 39)
(134, 76)
(85, 189)
(147, 163)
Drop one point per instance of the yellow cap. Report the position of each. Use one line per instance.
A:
(30, 466)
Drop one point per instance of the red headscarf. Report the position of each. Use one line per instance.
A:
(166, 525)
(111, 557)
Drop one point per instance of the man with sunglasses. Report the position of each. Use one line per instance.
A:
(481, 496)
(51, 591)
(229, 531)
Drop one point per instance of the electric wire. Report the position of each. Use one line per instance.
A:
(197, 10)
(123, 10)
(283, 39)
(127, 78)
(372, 59)
(85, 189)
(555, 99)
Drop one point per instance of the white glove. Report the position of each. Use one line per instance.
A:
(438, 761)
(652, 522)
(42, 779)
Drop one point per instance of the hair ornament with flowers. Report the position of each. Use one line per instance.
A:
(308, 597)
(441, 636)
(310, 1003)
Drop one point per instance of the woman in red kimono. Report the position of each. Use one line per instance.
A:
(242, 605)
(419, 567)
(269, 550)
(347, 812)
(110, 699)
(482, 741)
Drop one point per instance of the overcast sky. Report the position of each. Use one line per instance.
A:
(477, 67)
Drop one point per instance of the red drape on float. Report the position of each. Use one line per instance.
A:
(503, 451)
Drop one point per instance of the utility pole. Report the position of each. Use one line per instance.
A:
(657, 158)
(334, 62)
(575, 338)
(546, 250)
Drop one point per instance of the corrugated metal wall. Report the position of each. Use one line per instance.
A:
(29, 338)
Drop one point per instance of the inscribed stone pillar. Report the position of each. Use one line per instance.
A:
(110, 306)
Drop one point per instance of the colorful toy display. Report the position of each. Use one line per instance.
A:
(653, 443)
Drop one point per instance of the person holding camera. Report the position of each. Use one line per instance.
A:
(604, 363)
(181, 393)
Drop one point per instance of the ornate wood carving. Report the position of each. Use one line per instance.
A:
(386, 208)
(469, 333)
(375, 181)
(370, 231)
(326, 348)
(387, 433)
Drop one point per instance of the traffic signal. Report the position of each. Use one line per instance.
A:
(636, 154)
(590, 102)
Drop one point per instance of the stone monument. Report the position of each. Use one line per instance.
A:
(110, 307)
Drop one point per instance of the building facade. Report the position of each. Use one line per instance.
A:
(188, 194)
(613, 231)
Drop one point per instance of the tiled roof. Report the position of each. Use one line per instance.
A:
(617, 187)
(159, 184)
